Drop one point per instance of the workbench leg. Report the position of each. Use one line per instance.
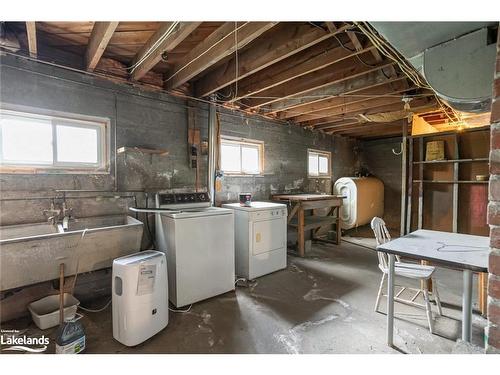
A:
(300, 232)
(390, 300)
(426, 284)
(338, 227)
(467, 306)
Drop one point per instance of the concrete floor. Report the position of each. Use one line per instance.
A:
(322, 303)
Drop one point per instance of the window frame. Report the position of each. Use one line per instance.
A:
(249, 143)
(326, 154)
(101, 125)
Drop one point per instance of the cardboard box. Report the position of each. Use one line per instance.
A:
(434, 151)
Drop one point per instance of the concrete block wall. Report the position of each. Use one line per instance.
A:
(141, 117)
(493, 329)
(377, 158)
(148, 119)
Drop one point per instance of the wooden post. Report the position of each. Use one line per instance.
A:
(338, 226)
(61, 293)
(300, 231)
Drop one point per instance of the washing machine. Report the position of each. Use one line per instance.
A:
(139, 296)
(260, 238)
(198, 241)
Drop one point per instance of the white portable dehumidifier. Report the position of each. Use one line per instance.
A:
(140, 296)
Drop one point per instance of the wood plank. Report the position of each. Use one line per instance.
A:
(99, 39)
(373, 107)
(327, 92)
(304, 197)
(339, 72)
(312, 60)
(31, 35)
(163, 40)
(334, 101)
(285, 40)
(344, 104)
(218, 45)
(376, 54)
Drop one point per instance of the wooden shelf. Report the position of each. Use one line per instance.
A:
(449, 182)
(142, 151)
(311, 222)
(452, 161)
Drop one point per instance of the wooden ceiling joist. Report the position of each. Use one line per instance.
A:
(419, 105)
(165, 39)
(346, 105)
(287, 39)
(218, 45)
(319, 95)
(99, 39)
(376, 54)
(303, 85)
(380, 89)
(31, 36)
(296, 66)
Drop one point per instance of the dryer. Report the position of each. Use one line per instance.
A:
(260, 238)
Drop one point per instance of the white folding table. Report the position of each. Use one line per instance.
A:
(453, 250)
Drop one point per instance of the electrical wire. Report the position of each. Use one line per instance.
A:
(177, 71)
(181, 311)
(152, 49)
(95, 310)
(236, 72)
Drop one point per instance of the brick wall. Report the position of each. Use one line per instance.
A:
(493, 330)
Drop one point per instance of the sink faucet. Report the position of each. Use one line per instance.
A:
(52, 214)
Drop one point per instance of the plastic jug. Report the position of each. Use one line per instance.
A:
(70, 337)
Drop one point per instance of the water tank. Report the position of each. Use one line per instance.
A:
(139, 296)
(364, 200)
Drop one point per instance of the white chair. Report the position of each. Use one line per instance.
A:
(407, 270)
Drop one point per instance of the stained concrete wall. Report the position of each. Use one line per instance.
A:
(144, 118)
(377, 159)
(154, 120)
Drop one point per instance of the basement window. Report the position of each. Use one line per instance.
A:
(32, 143)
(242, 156)
(319, 163)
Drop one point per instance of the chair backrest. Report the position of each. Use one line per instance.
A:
(381, 236)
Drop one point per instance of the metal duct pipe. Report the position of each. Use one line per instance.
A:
(212, 145)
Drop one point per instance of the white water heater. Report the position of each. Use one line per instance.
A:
(364, 199)
(139, 296)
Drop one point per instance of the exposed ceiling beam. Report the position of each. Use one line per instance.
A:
(342, 71)
(419, 105)
(316, 96)
(296, 66)
(165, 39)
(218, 45)
(31, 35)
(99, 39)
(353, 109)
(344, 98)
(376, 54)
(389, 96)
(286, 40)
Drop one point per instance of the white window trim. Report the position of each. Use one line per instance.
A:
(326, 154)
(248, 142)
(102, 125)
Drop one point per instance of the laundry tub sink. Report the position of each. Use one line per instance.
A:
(31, 253)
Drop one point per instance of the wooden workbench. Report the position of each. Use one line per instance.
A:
(299, 203)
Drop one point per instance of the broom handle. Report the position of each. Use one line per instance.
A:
(61, 293)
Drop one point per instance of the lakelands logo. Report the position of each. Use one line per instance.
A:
(12, 340)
